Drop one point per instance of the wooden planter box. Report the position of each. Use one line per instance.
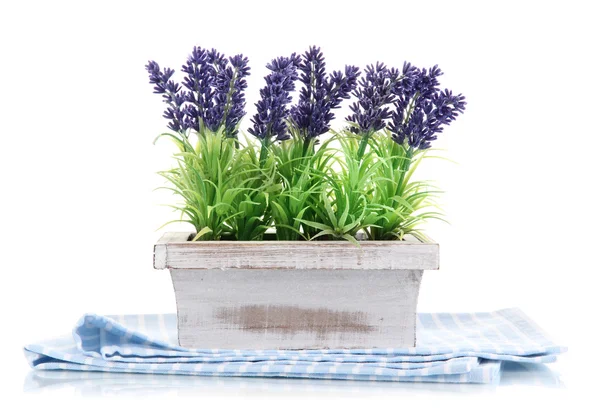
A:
(295, 295)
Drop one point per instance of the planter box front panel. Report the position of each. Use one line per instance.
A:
(296, 309)
(295, 295)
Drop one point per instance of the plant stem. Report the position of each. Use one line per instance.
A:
(306, 145)
(263, 152)
(405, 166)
(363, 145)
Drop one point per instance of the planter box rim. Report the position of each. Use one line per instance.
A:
(175, 251)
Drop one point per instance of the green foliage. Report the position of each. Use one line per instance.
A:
(345, 207)
(302, 175)
(224, 192)
(342, 187)
(403, 204)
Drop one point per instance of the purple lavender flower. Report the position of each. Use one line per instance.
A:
(421, 110)
(218, 60)
(342, 85)
(406, 82)
(272, 111)
(320, 94)
(376, 91)
(229, 100)
(199, 80)
(214, 94)
(172, 95)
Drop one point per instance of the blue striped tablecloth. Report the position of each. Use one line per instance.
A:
(451, 347)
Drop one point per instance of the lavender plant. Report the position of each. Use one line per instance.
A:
(214, 176)
(420, 112)
(289, 177)
(300, 166)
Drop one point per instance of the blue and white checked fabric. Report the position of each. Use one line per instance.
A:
(451, 347)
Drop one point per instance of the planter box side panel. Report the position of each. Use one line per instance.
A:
(296, 309)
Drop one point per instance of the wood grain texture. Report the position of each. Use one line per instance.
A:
(173, 251)
(298, 309)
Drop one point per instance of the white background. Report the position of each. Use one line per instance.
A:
(79, 217)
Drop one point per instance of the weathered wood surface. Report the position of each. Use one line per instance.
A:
(160, 248)
(298, 309)
(173, 251)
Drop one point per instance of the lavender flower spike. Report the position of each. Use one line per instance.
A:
(320, 94)
(422, 110)
(199, 81)
(272, 111)
(375, 94)
(172, 95)
(229, 100)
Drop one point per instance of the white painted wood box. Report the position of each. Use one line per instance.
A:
(295, 295)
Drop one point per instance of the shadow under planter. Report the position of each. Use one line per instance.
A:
(295, 295)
